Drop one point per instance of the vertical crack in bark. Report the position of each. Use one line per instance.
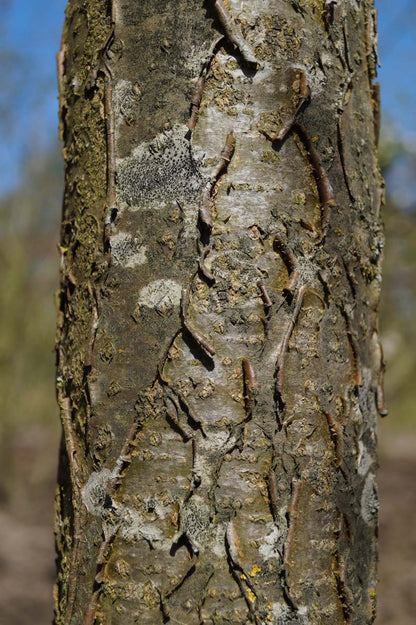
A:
(284, 347)
(358, 375)
(205, 219)
(273, 494)
(345, 595)
(337, 436)
(292, 514)
(345, 36)
(343, 164)
(102, 559)
(251, 387)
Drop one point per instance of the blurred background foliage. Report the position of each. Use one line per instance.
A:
(31, 182)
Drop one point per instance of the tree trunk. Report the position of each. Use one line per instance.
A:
(219, 369)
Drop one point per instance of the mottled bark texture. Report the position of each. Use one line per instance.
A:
(219, 368)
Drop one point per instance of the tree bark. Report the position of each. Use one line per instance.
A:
(219, 368)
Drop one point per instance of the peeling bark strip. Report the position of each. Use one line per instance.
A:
(336, 433)
(289, 260)
(196, 101)
(219, 372)
(326, 194)
(198, 338)
(292, 513)
(233, 33)
(284, 346)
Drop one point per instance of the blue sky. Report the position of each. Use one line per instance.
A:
(397, 74)
(30, 32)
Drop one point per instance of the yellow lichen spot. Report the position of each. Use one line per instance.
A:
(254, 570)
(251, 596)
(243, 576)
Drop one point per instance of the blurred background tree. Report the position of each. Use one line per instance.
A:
(30, 210)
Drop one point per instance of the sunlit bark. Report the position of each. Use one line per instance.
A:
(219, 370)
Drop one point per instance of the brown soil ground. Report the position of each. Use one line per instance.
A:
(27, 565)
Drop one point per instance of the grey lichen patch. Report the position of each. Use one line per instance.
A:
(163, 170)
(282, 615)
(126, 98)
(163, 295)
(195, 522)
(127, 250)
(96, 498)
(365, 460)
(134, 527)
(369, 500)
(272, 545)
(94, 492)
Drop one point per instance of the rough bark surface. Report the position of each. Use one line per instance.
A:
(219, 368)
